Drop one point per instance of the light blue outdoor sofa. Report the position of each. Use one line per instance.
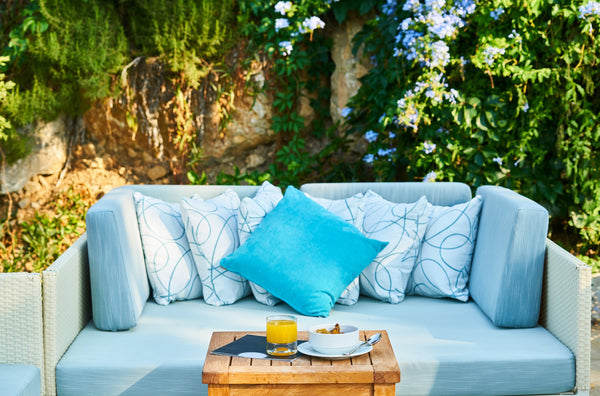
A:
(524, 330)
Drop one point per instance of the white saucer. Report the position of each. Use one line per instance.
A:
(307, 349)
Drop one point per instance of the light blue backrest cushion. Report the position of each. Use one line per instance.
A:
(438, 193)
(118, 279)
(508, 261)
(303, 254)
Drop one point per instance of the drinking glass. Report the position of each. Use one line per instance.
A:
(282, 335)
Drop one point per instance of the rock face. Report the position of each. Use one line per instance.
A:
(155, 122)
(348, 68)
(48, 155)
(155, 116)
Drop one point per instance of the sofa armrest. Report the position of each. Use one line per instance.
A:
(67, 305)
(566, 307)
(21, 334)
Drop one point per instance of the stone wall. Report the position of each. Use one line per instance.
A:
(143, 125)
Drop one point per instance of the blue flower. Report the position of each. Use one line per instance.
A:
(371, 136)
(413, 118)
(496, 13)
(526, 107)
(430, 177)
(497, 160)
(451, 96)
(464, 7)
(490, 53)
(369, 158)
(405, 24)
(283, 7)
(312, 23)
(515, 35)
(389, 7)
(590, 9)
(428, 147)
(386, 152)
(392, 135)
(281, 23)
(412, 5)
(285, 47)
(440, 55)
(443, 25)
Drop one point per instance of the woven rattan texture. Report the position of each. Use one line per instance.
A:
(67, 305)
(566, 307)
(21, 337)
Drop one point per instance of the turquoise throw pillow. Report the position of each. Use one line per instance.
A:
(303, 254)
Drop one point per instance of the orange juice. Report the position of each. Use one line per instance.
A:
(283, 331)
(282, 335)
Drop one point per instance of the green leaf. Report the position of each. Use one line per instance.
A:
(478, 159)
(481, 122)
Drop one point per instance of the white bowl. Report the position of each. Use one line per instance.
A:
(333, 344)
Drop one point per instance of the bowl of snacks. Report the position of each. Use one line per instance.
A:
(333, 339)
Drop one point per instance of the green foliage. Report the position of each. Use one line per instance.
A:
(33, 245)
(509, 98)
(237, 178)
(63, 56)
(290, 35)
(5, 87)
(186, 33)
(12, 146)
(33, 24)
(341, 8)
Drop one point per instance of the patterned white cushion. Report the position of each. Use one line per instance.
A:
(169, 264)
(403, 226)
(212, 232)
(352, 211)
(252, 212)
(443, 266)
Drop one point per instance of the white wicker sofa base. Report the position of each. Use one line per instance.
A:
(443, 346)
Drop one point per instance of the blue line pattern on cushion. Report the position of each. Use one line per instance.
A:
(212, 232)
(169, 264)
(403, 226)
(352, 211)
(444, 263)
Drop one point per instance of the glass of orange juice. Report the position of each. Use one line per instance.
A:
(282, 335)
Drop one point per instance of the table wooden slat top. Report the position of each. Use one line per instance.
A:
(375, 372)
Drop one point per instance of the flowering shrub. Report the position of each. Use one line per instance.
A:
(498, 92)
(288, 33)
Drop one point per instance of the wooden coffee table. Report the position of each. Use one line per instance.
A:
(374, 373)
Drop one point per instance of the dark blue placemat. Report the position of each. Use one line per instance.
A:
(252, 346)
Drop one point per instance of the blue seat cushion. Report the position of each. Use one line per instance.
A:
(443, 347)
(508, 260)
(19, 380)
